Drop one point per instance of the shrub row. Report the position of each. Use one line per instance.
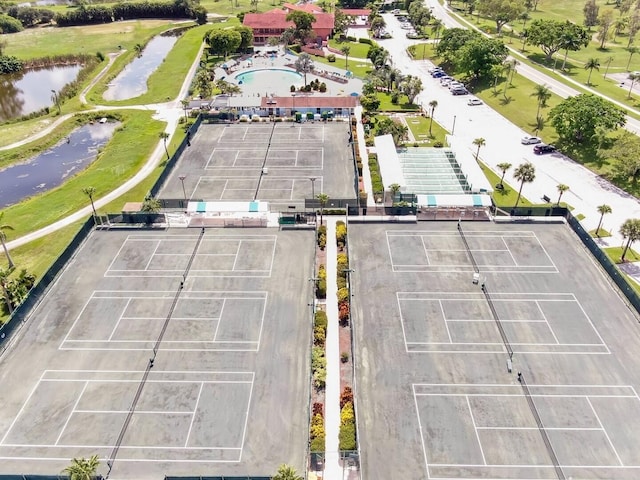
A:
(376, 178)
(341, 232)
(321, 283)
(347, 434)
(320, 328)
(318, 367)
(321, 236)
(317, 433)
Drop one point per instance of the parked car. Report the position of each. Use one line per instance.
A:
(459, 91)
(438, 74)
(527, 140)
(474, 101)
(542, 149)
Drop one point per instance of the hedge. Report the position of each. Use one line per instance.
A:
(365, 40)
(376, 178)
(347, 434)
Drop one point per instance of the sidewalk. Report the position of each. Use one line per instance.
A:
(332, 469)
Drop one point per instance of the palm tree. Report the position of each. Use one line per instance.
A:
(394, 188)
(504, 166)
(590, 65)
(632, 51)
(4, 277)
(630, 230)
(285, 472)
(323, 198)
(561, 189)
(525, 173)
(542, 94)
(634, 77)
(609, 60)
(346, 50)
(150, 205)
(55, 98)
(433, 104)
(436, 27)
(3, 237)
(164, 136)
(89, 192)
(602, 210)
(138, 47)
(82, 468)
(479, 142)
(185, 105)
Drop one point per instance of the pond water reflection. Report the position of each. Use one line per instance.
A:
(29, 91)
(56, 165)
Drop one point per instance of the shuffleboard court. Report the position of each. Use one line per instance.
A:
(272, 162)
(214, 311)
(439, 351)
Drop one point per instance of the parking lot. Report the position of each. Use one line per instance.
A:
(438, 356)
(215, 307)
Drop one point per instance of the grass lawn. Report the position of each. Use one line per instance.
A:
(162, 84)
(419, 126)
(358, 50)
(615, 254)
(602, 233)
(105, 38)
(118, 161)
(505, 198)
(17, 131)
(403, 104)
(360, 68)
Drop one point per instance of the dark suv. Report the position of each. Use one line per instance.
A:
(542, 149)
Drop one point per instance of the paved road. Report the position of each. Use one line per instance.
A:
(503, 145)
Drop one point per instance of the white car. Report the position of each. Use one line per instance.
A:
(474, 101)
(530, 140)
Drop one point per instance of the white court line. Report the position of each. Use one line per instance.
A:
(591, 323)
(404, 333)
(246, 419)
(71, 412)
(215, 333)
(130, 447)
(548, 324)
(224, 189)
(86, 304)
(467, 465)
(322, 133)
(22, 409)
(115, 327)
(152, 254)
(237, 254)
(116, 255)
(193, 415)
(475, 429)
(545, 252)
(264, 312)
(141, 412)
(605, 431)
(424, 448)
(500, 343)
(444, 318)
(426, 250)
(509, 250)
(559, 429)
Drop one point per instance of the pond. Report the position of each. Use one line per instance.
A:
(55, 166)
(132, 81)
(23, 93)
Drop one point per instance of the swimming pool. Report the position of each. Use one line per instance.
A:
(269, 77)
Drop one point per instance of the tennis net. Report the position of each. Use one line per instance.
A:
(503, 334)
(466, 245)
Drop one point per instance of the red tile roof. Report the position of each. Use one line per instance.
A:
(309, 102)
(357, 12)
(277, 19)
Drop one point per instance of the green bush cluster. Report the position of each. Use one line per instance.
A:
(316, 433)
(320, 328)
(318, 367)
(341, 232)
(10, 64)
(321, 283)
(347, 434)
(367, 41)
(321, 236)
(331, 57)
(376, 178)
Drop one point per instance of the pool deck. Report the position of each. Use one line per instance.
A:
(279, 62)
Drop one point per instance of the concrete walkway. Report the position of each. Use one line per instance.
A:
(332, 470)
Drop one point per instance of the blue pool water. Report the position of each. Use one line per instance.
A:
(273, 77)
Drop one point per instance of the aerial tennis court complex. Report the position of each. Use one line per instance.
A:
(227, 390)
(272, 162)
(505, 353)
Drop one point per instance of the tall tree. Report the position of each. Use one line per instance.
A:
(411, 86)
(223, 42)
(542, 94)
(346, 50)
(203, 84)
(576, 119)
(436, 28)
(619, 24)
(554, 35)
(5, 227)
(605, 20)
(90, 192)
(632, 51)
(634, 77)
(479, 55)
(624, 156)
(479, 142)
(303, 22)
(561, 189)
(377, 26)
(591, 64)
(602, 210)
(501, 11)
(164, 136)
(573, 37)
(590, 11)
(606, 70)
(341, 22)
(83, 468)
(524, 173)
(630, 231)
(433, 104)
(151, 205)
(304, 65)
(503, 166)
(323, 198)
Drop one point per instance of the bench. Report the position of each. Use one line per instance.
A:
(546, 198)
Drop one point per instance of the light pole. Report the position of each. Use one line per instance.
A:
(453, 129)
(184, 192)
(293, 108)
(313, 186)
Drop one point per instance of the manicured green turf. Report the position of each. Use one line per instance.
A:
(419, 126)
(403, 104)
(17, 131)
(359, 68)
(505, 198)
(162, 84)
(105, 38)
(116, 163)
(602, 233)
(615, 254)
(358, 50)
